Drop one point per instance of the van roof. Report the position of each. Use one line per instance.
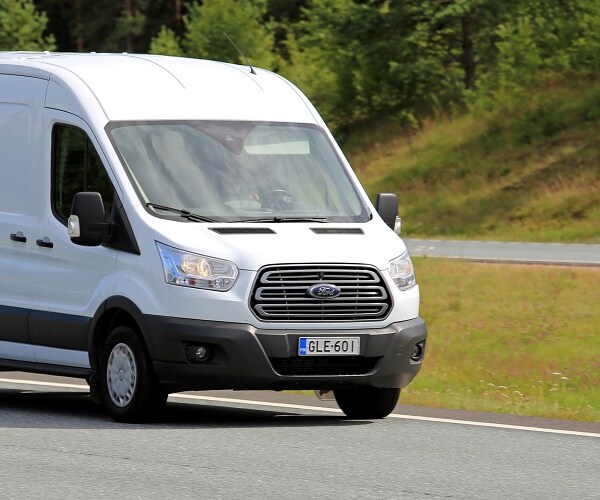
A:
(151, 87)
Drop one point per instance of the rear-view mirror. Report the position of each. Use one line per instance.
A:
(387, 208)
(86, 224)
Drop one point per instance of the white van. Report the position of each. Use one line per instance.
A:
(172, 224)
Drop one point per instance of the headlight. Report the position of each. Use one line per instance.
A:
(198, 271)
(403, 272)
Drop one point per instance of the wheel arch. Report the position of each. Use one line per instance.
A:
(114, 311)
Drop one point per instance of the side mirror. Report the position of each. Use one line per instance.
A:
(387, 207)
(86, 224)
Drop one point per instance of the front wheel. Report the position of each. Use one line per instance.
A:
(367, 402)
(129, 387)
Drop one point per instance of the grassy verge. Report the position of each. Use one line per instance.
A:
(511, 339)
(525, 174)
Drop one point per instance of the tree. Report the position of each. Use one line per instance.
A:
(110, 25)
(206, 24)
(22, 27)
(377, 56)
(543, 41)
(453, 28)
(128, 28)
(166, 43)
(355, 59)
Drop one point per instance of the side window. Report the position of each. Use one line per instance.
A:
(76, 167)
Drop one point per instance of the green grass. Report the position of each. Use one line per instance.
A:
(512, 339)
(531, 173)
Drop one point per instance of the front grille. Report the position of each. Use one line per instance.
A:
(280, 293)
(324, 365)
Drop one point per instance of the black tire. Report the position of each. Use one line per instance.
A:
(95, 389)
(367, 402)
(129, 387)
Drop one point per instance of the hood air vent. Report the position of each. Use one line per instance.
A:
(242, 230)
(337, 230)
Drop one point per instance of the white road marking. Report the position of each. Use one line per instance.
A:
(45, 384)
(318, 408)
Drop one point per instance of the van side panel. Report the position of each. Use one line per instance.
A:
(21, 111)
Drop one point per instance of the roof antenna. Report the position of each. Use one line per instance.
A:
(241, 53)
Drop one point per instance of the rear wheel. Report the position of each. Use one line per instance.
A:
(367, 402)
(129, 387)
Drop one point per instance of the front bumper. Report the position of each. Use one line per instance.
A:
(244, 357)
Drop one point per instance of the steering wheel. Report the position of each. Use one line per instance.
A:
(276, 199)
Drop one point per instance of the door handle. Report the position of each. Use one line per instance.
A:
(44, 242)
(18, 236)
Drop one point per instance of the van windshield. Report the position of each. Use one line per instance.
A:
(237, 171)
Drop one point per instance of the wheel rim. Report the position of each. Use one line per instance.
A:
(121, 375)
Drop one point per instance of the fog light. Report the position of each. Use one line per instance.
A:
(197, 353)
(418, 351)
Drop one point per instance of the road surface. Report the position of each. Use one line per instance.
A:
(494, 251)
(55, 443)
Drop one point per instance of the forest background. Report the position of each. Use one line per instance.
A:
(356, 59)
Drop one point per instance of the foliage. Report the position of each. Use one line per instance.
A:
(377, 58)
(207, 24)
(22, 27)
(166, 43)
(358, 60)
(108, 25)
(541, 42)
(127, 27)
(309, 71)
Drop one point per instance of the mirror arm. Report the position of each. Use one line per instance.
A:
(107, 231)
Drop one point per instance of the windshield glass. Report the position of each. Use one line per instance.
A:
(236, 171)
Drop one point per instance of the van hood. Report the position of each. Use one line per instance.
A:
(252, 246)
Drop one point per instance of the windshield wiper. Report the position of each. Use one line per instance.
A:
(284, 219)
(183, 213)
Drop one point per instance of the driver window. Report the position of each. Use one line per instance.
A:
(76, 167)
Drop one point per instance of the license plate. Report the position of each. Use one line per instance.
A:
(329, 346)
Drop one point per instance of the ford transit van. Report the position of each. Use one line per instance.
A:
(170, 224)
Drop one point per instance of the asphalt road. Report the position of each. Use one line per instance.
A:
(55, 443)
(534, 253)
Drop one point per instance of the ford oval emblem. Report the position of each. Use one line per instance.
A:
(324, 291)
